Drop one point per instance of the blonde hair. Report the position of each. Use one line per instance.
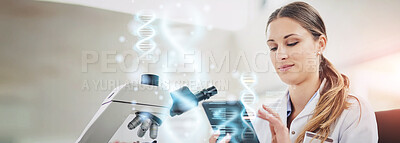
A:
(332, 102)
(334, 93)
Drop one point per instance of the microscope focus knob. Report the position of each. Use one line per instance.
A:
(149, 79)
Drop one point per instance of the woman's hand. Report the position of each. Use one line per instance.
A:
(214, 137)
(279, 131)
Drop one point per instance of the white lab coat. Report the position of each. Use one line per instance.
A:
(348, 127)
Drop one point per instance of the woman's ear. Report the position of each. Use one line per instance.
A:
(322, 43)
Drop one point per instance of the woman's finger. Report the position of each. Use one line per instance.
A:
(226, 139)
(262, 114)
(214, 137)
(279, 131)
(271, 119)
(272, 129)
(269, 110)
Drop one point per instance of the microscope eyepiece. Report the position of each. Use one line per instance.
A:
(206, 93)
(184, 99)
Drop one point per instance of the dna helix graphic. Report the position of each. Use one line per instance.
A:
(248, 97)
(145, 45)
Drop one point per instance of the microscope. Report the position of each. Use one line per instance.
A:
(150, 104)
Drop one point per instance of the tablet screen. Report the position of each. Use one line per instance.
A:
(230, 117)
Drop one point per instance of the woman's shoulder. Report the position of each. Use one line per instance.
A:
(357, 103)
(358, 109)
(357, 120)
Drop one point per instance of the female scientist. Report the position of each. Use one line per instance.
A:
(317, 103)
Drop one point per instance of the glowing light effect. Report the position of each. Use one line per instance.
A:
(248, 98)
(182, 36)
(226, 126)
(145, 45)
(122, 39)
(188, 124)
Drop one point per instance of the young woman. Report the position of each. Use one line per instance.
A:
(317, 100)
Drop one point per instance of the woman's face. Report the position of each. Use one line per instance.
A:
(293, 50)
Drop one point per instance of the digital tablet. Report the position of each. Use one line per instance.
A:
(230, 117)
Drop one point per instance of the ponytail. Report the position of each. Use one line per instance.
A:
(332, 101)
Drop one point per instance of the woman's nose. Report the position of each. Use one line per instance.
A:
(281, 55)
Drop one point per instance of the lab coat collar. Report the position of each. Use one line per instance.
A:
(308, 109)
(289, 103)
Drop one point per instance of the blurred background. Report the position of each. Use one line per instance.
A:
(59, 59)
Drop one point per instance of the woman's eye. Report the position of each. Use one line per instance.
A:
(274, 49)
(292, 44)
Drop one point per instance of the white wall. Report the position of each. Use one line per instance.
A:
(42, 43)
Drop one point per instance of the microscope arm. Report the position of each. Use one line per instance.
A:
(106, 121)
(150, 103)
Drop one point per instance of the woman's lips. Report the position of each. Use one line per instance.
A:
(284, 68)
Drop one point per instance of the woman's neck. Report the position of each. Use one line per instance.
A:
(301, 93)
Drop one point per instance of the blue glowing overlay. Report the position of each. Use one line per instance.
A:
(230, 117)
